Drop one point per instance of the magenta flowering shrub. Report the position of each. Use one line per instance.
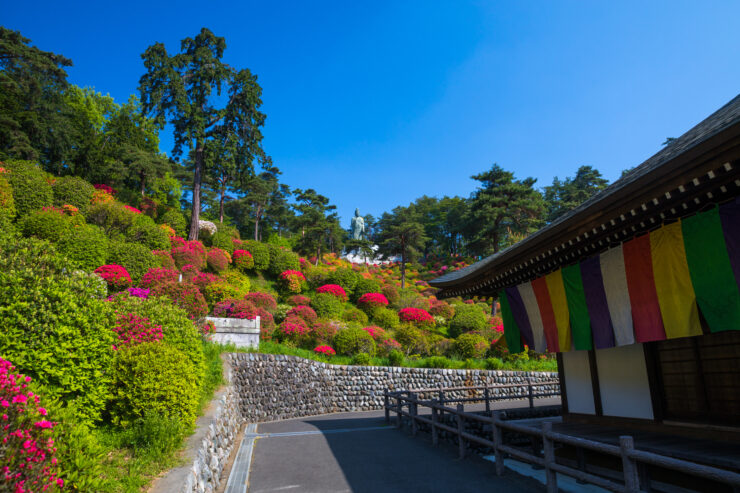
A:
(184, 294)
(369, 301)
(133, 329)
(416, 316)
(218, 260)
(189, 252)
(165, 259)
(327, 351)
(325, 331)
(158, 275)
(203, 279)
(334, 290)
(243, 260)
(137, 293)
(267, 321)
(189, 272)
(388, 345)
(304, 312)
(105, 188)
(27, 451)
(292, 280)
(298, 299)
(295, 330)
(132, 209)
(262, 300)
(116, 276)
(207, 327)
(232, 308)
(376, 332)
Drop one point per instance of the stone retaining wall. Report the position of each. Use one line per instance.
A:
(272, 387)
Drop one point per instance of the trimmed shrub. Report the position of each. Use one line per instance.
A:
(243, 260)
(7, 204)
(175, 220)
(371, 301)
(365, 286)
(391, 293)
(324, 331)
(136, 258)
(467, 318)
(298, 299)
(186, 295)
(154, 377)
(354, 340)
(31, 190)
(395, 357)
(386, 318)
(144, 230)
(326, 305)
(113, 217)
(189, 253)
(345, 277)
(470, 345)
(236, 279)
(221, 291)
(86, 246)
(116, 276)
(158, 275)
(377, 333)
(442, 309)
(203, 279)
(325, 350)
(361, 359)
(304, 312)
(165, 259)
(74, 191)
(437, 362)
(354, 315)
(260, 254)
(223, 238)
(295, 330)
(49, 224)
(412, 339)
(217, 259)
(264, 300)
(292, 281)
(416, 316)
(56, 324)
(235, 309)
(178, 330)
(281, 261)
(334, 290)
(388, 347)
(133, 329)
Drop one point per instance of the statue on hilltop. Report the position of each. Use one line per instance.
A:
(358, 226)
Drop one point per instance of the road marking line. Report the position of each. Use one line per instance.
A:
(314, 432)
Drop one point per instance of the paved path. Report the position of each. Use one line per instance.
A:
(358, 452)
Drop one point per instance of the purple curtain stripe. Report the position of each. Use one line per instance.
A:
(598, 308)
(729, 214)
(519, 312)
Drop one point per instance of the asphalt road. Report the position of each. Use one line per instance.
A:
(358, 452)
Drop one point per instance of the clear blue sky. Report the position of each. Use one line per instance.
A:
(376, 103)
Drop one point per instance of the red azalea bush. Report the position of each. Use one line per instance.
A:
(440, 308)
(370, 301)
(158, 275)
(184, 294)
(325, 351)
(165, 259)
(324, 331)
(190, 252)
(262, 300)
(208, 327)
(334, 290)
(203, 279)
(292, 280)
(299, 299)
(388, 345)
(375, 332)
(243, 260)
(391, 293)
(133, 329)
(294, 329)
(416, 316)
(105, 188)
(217, 259)
(304, 312)
(116, 276)
(235, 309)
(189, 272)
(27, 452)
(132, 209)
(267, 321)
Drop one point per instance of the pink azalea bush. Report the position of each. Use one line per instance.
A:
(203, 279)
(416, 316)
(138, 292)
(105, 188)
(158, 275)
(132, 209)
(375, 332)
(292, 280)
(189, 252)
(299, 299)
(165, 259)
(304, 312)
(325, 331)
(189, 272)
(133, 329)
(327, 351)
(218, 260)
(116, 276)
(243, 260)
(334, 290)
(27, 453)
(184, 294)
(388, 345)
(262, 300)
(440, 308)
(235, 309)
(370, 301)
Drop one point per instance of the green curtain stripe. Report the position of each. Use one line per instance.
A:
(580, 322)
(511, 329)
(716, 290)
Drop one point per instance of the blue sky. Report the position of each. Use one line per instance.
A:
(376, 103)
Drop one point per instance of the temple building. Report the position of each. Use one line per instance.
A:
(637, 290)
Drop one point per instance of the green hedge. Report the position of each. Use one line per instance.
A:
(86, 246)
(136, 258)
(7, 204)
(326, 305)
(31, 191)
(56, 324)
(353, 340)
(176, 220)
(467, 318)
(282, 260)
(260, 253)
(74, 191)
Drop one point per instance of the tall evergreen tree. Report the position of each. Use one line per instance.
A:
(401, 233)
(184, 89)
(565, 195)
(317, 223)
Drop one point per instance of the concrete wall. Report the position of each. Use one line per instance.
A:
(272, 387)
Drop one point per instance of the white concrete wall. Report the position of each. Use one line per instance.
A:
(623, 382)
(578, 386)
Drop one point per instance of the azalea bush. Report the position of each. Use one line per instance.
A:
(442, 309)
(334, 290)
(116, 276)
(324, 331)
(327, 305)
(377, 333)
(354, 315)
(218, 260)
(133, 329)
(74, 191)
(189, 253)
(175, 220)
(298, 299)
(262, 300)
(86, 246)
(27, 453)
(467, 318)
(136, 258)
(387, 346)
(185, 295)
(304, 312)
(235, 309)
(353, 340)
(7, 204)
(371, 301)
(159, 275)
(31, 190)
(388, 319)
(470, 345)
(281, 261)
(243, 260)
(327, 351)
(416, 316)
(203, 280)
(260, 254)
(292, 281)
(295, 330)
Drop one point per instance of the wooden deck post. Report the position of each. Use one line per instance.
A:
(531, 394)
(413, 410)
(460, 429)
(629, 465)
(399, 409)
(549, 449)
(386, 406)
(488, 404)
(435, 433)
(497, 442)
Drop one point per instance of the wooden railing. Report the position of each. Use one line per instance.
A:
(633, 460)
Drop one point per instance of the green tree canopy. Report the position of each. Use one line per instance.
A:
(562, 196)
(402, 233)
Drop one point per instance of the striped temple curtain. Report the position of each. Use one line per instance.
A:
(654, 287)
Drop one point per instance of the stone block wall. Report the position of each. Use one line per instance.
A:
(272, 387)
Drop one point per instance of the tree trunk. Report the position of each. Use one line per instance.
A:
(221, 206)
(142, 177)
(403, 268)
(257, 223)
(195, 216)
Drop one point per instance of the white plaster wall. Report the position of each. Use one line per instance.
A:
(623, 382)
(578, 386)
